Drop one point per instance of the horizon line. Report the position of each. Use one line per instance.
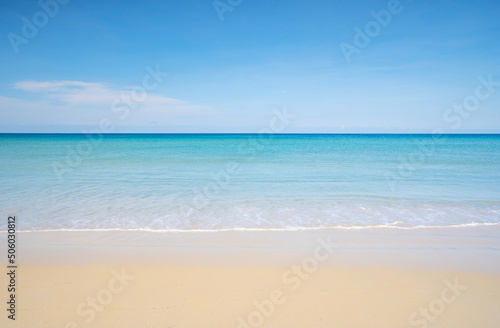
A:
(254, 133)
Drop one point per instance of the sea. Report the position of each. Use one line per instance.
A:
(212, 182)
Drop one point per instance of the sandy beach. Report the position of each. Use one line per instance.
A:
(250, 164)
(435, 277)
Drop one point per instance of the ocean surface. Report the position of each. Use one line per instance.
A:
(168, 182)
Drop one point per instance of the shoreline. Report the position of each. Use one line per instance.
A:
(465, 225)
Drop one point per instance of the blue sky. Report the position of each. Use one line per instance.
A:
(229, 75)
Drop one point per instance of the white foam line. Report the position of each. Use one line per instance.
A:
(465, 225)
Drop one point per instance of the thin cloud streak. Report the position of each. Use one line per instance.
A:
(78, 102)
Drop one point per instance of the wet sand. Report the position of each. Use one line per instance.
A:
(439, 277)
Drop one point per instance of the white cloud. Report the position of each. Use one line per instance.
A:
(54, 86)
(80, 103)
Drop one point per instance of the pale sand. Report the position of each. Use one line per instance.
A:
(374, 278)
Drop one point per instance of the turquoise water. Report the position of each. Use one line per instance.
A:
(213, 182)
